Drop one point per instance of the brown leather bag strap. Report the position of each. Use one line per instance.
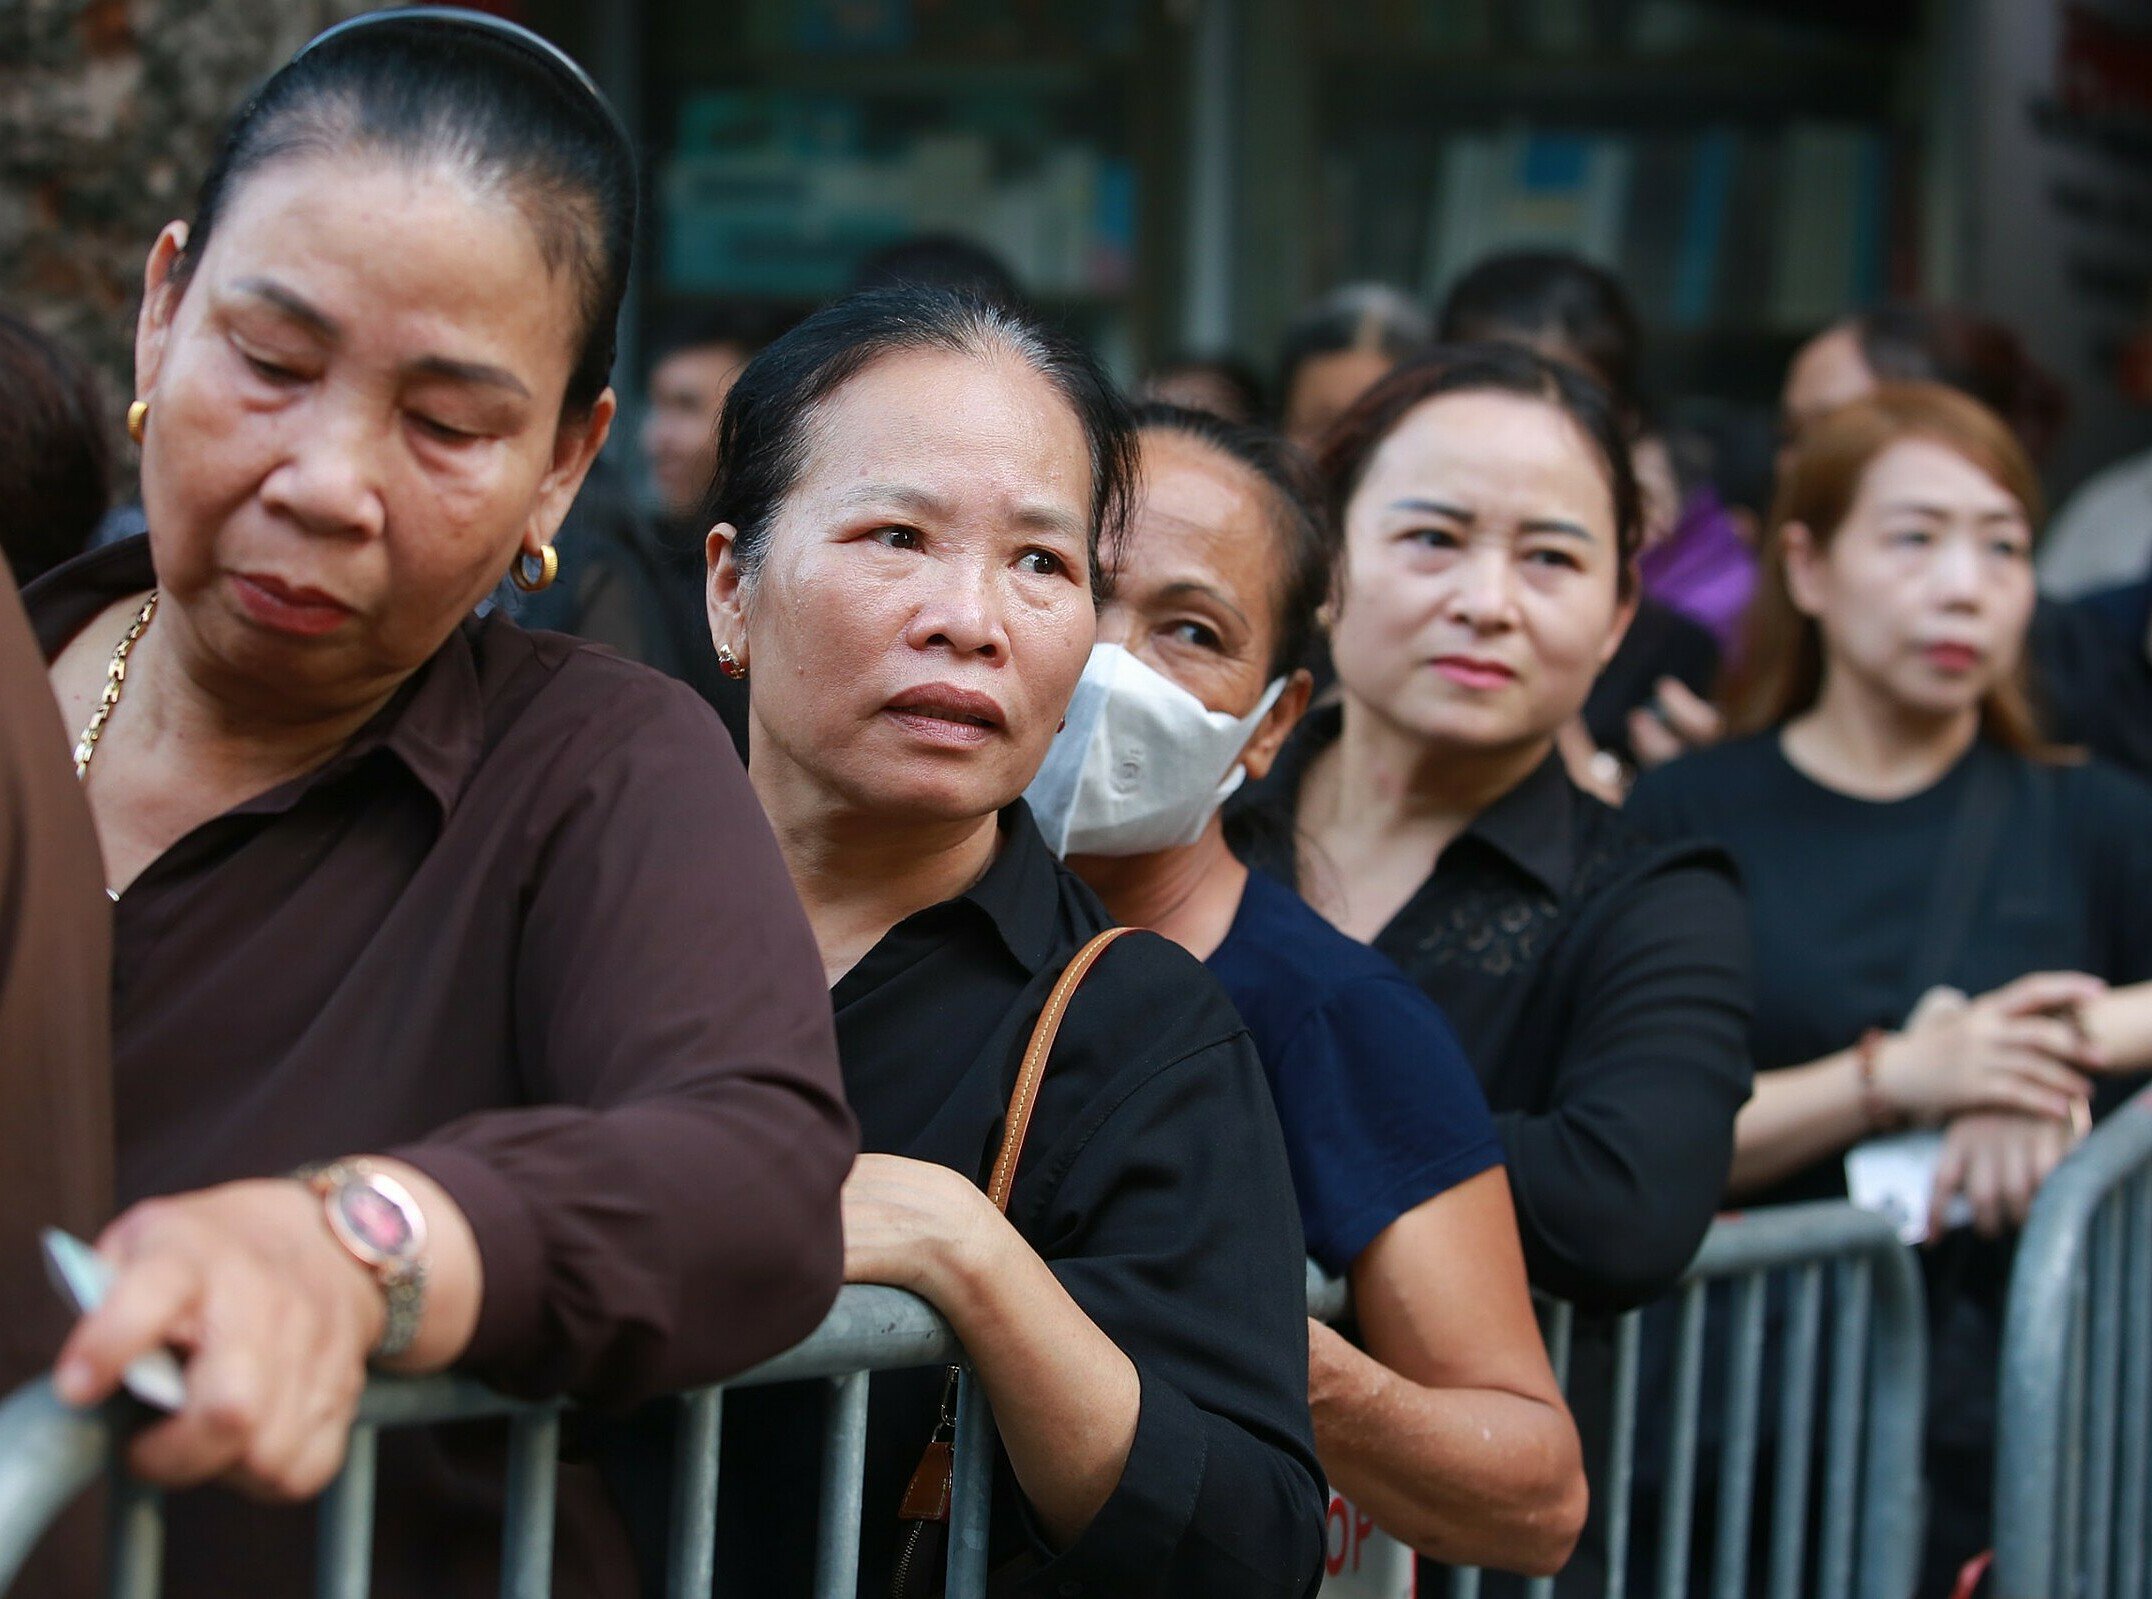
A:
(1033, 1069)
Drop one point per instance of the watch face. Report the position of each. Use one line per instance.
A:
(375, 1220)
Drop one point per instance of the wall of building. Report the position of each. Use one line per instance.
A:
(109, 111)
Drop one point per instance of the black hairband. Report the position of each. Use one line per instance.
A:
(548, 54)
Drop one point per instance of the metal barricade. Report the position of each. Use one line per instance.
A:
(1835, 1264)
(1872, 1425)
(50, 1453)
(2073, 1456)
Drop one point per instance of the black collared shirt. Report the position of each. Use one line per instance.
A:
(529, 931)
(1600, 985)
(1154, 1182)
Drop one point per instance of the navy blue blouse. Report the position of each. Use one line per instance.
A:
(1380, 1108)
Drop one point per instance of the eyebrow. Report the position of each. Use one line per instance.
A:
(1210, 591)
(1942, 513)
(322, 326)
(1457, 513)
(922, 502)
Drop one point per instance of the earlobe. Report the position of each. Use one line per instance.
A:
(1261, 752)
(1624, 616)
(721, 594)
(1797, 555)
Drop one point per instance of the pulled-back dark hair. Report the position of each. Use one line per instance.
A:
(1550, 298)
(1358, 316)
(767, 427)
(1488, 369)
(1306, 536)
(480, 96)
(54, 458)
(1907, 342)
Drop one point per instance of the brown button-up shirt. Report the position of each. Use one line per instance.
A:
(55, 1069)
(530, 932)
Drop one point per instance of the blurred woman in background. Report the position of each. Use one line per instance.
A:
(1937, 900)
(1338, 348)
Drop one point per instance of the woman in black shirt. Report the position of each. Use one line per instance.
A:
(1906, 842)
(909, 503)
(1599, 984)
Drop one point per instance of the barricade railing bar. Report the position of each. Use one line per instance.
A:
(50, 1453)
(2074, 1428)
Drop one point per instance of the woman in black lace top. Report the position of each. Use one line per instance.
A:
(1599, 983)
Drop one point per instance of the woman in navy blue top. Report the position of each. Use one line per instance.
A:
(1445, 1425)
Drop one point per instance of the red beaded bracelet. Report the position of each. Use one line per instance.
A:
(1879, 1112)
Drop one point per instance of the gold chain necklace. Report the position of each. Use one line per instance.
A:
(115, 684)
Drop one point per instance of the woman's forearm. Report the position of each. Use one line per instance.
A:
(1065, 1397)
(1795, 1118)
(1472, 1476)
(455, 1275)
(2119, 1023)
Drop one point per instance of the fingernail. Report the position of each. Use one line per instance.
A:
(73, 1381)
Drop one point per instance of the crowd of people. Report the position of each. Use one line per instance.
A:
(560, 934)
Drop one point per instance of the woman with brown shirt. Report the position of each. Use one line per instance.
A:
(454, 909)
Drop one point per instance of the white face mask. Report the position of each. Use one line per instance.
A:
(1142, 765)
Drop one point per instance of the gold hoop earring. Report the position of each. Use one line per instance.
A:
(530, 582)
(137, 420)
(730, 664)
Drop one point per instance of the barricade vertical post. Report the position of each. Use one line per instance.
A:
(2057, 1372)
(2105, 1376)
(2136, 1396)
(1621, 1450)
(135, 1539)
(527, 1539)
(844, 1465)
(1675, 1516)
(1849, 1369)
(691, 1545)
(971, 1494)
(344, 1539)
(1737, 1468)
(1796, 1434)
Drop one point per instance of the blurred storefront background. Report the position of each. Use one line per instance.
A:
(1176, 177)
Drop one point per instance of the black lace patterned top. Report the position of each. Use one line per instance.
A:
(1600, 984)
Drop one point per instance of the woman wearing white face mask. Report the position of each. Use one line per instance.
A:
(1449, 1430)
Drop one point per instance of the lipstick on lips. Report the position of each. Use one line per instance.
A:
(1955, 659)
(286, 607)
(942, 713)
(1474, 672)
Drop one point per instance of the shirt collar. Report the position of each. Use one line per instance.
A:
(1533, 826)
(434, 724)
(1020, 891)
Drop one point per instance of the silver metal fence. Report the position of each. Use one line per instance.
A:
(2073, 1457)
(50, 1453)
(1828, 1261)
(1871, 1423)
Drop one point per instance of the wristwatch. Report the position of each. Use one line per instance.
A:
(380, 1226)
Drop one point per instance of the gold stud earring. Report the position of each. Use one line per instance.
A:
(530, 582)
(137, 420)
(730, 664)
